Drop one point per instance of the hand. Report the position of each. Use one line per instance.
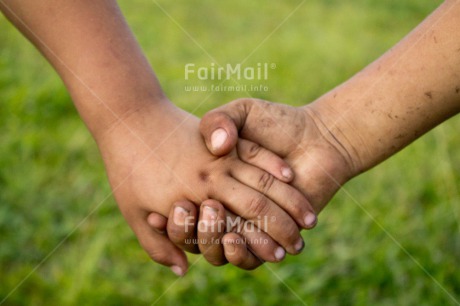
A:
(394, 102)
(243, 247)
(296, 134)
(320, 162)
(156, 157)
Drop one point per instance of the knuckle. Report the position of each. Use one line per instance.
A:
(240, 101)
(241, 105)
(215, 259)
(178, 235)
(252, 151)
(237, 259)
(291, 232)
(217, 262)
(258, 206)
(298, 205)
(266, 181)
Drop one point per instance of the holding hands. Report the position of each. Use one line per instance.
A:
(295, 134)
(405, 93)
(153, 161)
(259, 171)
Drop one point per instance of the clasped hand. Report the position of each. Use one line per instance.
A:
(245, 177)
(153, 163)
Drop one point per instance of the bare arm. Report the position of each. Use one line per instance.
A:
(402, 95)
(152, 150)
(409, 90)
(93, 50)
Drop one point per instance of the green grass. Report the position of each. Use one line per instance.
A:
(392, 237)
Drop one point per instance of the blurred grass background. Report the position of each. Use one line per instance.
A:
(53, 186)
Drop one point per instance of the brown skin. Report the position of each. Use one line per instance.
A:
(405, 93)
(211, 236)
(153, 152)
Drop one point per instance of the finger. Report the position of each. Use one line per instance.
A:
(258, 242)
(254, 154)
(238, 254)
(284, 195)
(211, 228)
(182, 226)
(220, 127)
(160, 248)
(255, 120)
(263, 212)
(157, 222)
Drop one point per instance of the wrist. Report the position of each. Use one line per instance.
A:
(104, 105)
(342, 135)
(150, 117)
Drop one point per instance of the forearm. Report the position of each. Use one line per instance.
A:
(91, 47)
(405, 93)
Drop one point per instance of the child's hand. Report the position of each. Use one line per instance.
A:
(216, 229)
(157, 157)
(320, 163)
(298, 134)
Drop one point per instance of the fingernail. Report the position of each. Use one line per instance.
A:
(218, 138)
(179, 215)
(299, 245)
(279, 253)
(177, 270)
(209, 213)
(310, 220)
(287, 173)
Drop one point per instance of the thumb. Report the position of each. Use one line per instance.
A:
(220, 127)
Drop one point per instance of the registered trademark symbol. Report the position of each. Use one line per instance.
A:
(273, 66)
